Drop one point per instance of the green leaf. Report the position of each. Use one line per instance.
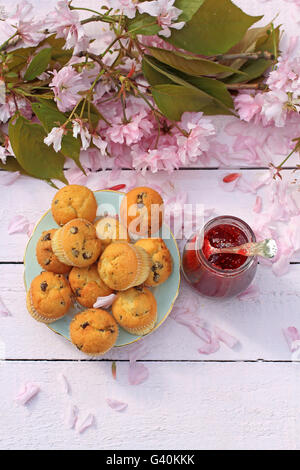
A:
(255, 68)
(38, 64)
(189, 64)
(143, 24)
(12, 164)
(174, 100)
(48, 114)
(188, 7)
(216, 27)
(35, 157)
(219, 97)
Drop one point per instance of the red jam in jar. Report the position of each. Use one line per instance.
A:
(219, 275)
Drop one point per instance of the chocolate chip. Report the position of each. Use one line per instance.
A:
(140, 199)
(62, 303)
(86, 255)
(158, 265)
(139, 288)
(75, 252)
(73, 230)
(56, 201)
(77, 292)
(84, 325)
(156, 277)
(44, 286)
(79, 346)
(46, 262)
(46, 237)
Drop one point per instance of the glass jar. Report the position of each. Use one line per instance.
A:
(223, 275)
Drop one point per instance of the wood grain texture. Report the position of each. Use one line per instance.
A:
(257, 325)
(181, 406)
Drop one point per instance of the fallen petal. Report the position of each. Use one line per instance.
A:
(104, 301)
(19, 224)
(116, 405)
(65, 384)
(225, 337)
(210, 348)
(4, 312)
(137, 373)
(27, 392)
(88, 421)
(258, 205)
(251, 294)
(72, 416)
(292, 337)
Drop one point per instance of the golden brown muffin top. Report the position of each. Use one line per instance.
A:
(50, 294)
(45, 256)
(73, 202)
(162, 263)
(118, 265)
(135, 307)
(141, 211)
(94, 331)
(87, 285)
(109, 229)
(79, 242)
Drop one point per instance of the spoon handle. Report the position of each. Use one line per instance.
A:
(266, 248)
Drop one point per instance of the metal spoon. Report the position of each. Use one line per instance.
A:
(266, 248)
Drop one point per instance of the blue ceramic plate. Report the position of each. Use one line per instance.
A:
(165, 294)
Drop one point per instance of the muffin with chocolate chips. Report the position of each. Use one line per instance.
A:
(135, 310)
(162, 263)
(73, 202)
(45, 256)
(49, 297)
(87, 285)
(76, 243)
(94, 331)
(123, 265)
(141, 211)
(109, 230)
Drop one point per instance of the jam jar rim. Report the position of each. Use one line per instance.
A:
(226, 272)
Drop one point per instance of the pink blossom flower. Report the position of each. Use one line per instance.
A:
(248, 105)
(163, 158)
(66, 24)
(131, 132)
(67, 85)
(100, 143)
(79, 128)
(23, 22)
(11, 105)
(55, 137)
(274, 107)
(165, 13)
(127, 7)
(27, 392)
(199, 129)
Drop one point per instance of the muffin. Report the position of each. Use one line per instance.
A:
(87, 285)
(109, 229)
(49, 297)
(73, 202)
(45, 256)
(123, 265)
(94, 331)
(76, 244)
(141, 211)
(135, 310)
(162, 263)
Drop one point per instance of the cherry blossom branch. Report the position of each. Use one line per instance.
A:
(246, 86)
(245, 55)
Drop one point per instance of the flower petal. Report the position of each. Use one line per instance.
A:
(137, 373)
(64, 383)
(19, 224)
(72, 416)
(251, 294)
(292, 337)
(225, 337)
(26, 393)
(116, 405)
(210, 348)
(7, 178)
(88, 421)
(104, 301)
(4, 312)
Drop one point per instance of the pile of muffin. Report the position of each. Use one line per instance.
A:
(89, 261)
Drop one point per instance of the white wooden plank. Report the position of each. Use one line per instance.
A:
(181, 406)
(256, 324)
(32, 199)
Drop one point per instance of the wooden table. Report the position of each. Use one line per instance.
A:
(242, 398)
